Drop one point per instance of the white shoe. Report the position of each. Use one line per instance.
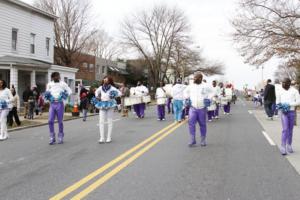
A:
(101, 140)
(209, 120)
(108, 140)
(164, 119)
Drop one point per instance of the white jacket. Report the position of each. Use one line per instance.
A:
(177, 91)
(160, 93)
(6, 95)
(56, 88)
(105, 95)
(141, 91)
(197, 93)
(290, 96)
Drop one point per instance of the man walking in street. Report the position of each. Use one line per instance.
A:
(197, 92)
(269, 99)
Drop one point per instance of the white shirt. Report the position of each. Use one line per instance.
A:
(141, 91)
(177, 91)
(278, 88)
(105, 95)
(197, 93)
(290, 96)
(160, 93)
(215, 91)
(6, 95)
(56, 88)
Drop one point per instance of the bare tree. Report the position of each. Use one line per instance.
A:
(103, 46)
(285, 71)
(72, 28)
(152, 33)
(267, 28)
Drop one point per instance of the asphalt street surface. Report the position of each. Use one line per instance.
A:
(237, 164)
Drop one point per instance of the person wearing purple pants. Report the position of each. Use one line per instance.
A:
(197, 92)
(288, 96)
(56, 88)
(161, 98)
(140, 91)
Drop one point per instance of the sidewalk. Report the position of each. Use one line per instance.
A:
(273, 129)
(42, 120)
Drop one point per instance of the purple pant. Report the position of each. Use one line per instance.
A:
(287, 121)
(56, 110)
(210, 114)
(161, 111)
(139, 109)
(185, 112)
(169, 105)
(227, 108)
(197, 115)
(216, 114)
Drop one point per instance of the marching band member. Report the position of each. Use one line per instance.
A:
(211, 110)
(287, 99)
(228, 95)
(217, 91)
(141, 91)
(197, 93)
(106, 103)
(161, 98)
(178, 98)
(5, 105)
(57, 91)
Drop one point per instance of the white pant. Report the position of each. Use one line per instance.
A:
(103, 116)
(3, 125)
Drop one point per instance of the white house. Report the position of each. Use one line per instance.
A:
(27, 46)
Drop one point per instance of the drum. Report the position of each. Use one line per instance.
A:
(129, 101)
(161, 101)
(146, 99)
(212, 107)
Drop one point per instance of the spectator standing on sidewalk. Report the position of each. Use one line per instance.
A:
(84, 104)
(269, 99)
(15, 109)
(278, 87)
(26, 94)
(288, 99)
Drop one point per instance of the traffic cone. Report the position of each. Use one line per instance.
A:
(75, 111)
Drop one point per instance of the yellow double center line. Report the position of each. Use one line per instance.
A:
(159, 136)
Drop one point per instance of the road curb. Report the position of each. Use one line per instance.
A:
(44, 124)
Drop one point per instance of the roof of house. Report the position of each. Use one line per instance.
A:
(23, 62)
(32, 8)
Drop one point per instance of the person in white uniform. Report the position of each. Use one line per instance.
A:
(106, 103)
(287, 99)
(5, 105)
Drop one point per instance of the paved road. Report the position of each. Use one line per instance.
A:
(237, 164)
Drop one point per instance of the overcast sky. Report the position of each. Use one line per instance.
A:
(210, 28)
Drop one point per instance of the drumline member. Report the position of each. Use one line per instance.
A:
(197, 93)
(141, 91)
(228, 96)
(161, 98)
(106, 95)
(287, 99)
(217, 91)
(178, 99)
(57, 92)
(6, 98)
(211, 110)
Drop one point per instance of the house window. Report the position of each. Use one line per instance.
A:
(85, 65)
(91, 67)
(32, 43)
(48, 46)
(14, 38)
(103, 69)
(98, 69)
